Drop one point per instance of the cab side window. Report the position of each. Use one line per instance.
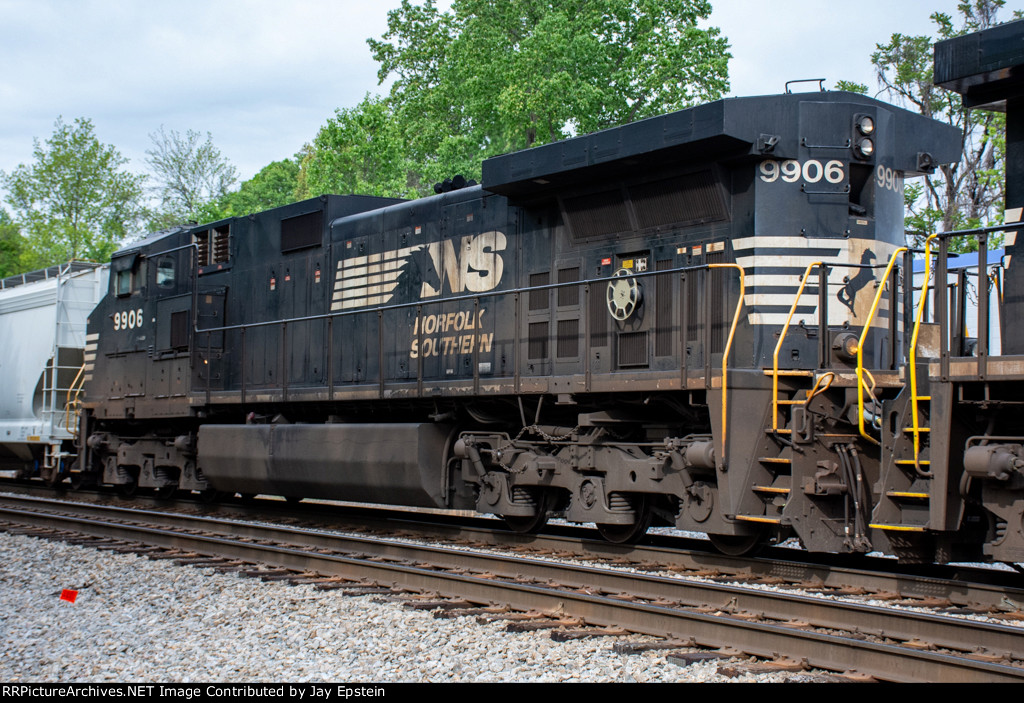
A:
(165, 272)
(123, 285)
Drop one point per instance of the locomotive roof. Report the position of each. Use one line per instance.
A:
(728, 128)
(150, 238)
(986, 67)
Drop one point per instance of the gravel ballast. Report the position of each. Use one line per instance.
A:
(142, 620)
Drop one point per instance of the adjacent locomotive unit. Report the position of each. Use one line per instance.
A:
(697, 320)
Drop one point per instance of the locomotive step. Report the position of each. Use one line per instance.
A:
(898, 528)
(771, 489)
(759, 518)
(907, 495)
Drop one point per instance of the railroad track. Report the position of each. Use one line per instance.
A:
(955, 589)
(885, 643)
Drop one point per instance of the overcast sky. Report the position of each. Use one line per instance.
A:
(263, 75)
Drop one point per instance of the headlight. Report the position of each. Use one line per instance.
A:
(865, 125)
(865, 148)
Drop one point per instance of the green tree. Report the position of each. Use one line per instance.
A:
(273, 186)
(12, 245)
(189, 174)
(74, 201)
(360, 150)
(969, 193)
(489, 76)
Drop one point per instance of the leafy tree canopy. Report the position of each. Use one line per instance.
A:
(490, 76)
(360, 150)
(12, 245)
(189, 173)
(273, 186)
(74, 201)
(969, 193)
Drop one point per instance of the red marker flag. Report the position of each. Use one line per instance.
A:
(69, 596)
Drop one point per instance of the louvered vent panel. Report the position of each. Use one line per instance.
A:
(682, 200)
(202, 240)
(633, 349)
(538, 340)
(694, 286)
(598, 317)
(597, 214)
(721, 318)
(568, 339)
(568, 295)
(539, 298)
(179, 329)
(663, 317)
(221, 245)
(302, 231)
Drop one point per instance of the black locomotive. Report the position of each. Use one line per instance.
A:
(699, 320)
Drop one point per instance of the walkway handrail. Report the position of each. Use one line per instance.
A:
(782, 337)
(728, 348)
(863, 339)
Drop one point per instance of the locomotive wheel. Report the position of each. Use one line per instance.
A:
(128, 490)
(633, 532)
(82, 480)
(210, 495)
(531, 524)
(737, 545)
(165, 492)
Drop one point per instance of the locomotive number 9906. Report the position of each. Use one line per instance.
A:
(128, 319)
(811, 171)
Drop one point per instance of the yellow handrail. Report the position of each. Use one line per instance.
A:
(913, 352)
(778, 347)
(68, 402)
(728, 348)
(863, 338)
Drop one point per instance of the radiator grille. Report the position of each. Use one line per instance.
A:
(598, 317)
(538, 340)
(568, 339)
(539, 298)
(663, 317)
(633, 349)
(597, 214)
(682, 200)
(302, 231)
(568, 295)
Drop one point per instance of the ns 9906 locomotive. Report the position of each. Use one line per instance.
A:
(701, 320)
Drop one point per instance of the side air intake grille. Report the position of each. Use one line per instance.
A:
(302, 231)
(539, 298)
(568, 295)
(633, 349)
(597, 214)
(568, 339)
(538, 346)
(681, 200)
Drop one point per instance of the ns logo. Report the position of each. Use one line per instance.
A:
(475, 268)
(468, 265)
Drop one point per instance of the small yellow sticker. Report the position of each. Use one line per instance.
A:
(627, 264)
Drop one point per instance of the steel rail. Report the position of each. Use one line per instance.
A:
(278, 547)
(972, 588)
